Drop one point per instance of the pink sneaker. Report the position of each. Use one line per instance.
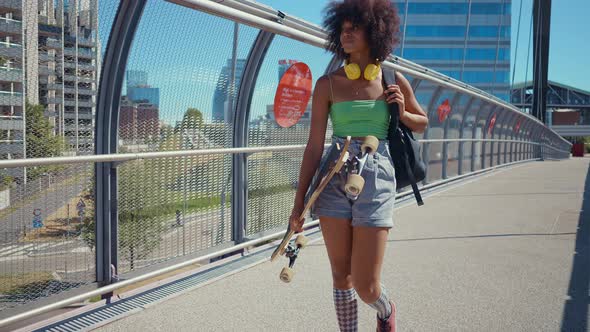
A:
(389, 324)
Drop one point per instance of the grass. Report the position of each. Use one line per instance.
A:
(202, 203)
(24, 283)
(62, 223)
(25, 201)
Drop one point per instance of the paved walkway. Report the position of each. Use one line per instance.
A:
(506, 252)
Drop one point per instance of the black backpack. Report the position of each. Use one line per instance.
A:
(404, 149)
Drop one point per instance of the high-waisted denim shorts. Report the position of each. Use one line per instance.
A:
(374, 205)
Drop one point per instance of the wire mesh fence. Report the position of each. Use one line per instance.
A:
(50, 59)
(172, 207)
(47, 236)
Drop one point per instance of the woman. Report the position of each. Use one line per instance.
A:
(355, 231)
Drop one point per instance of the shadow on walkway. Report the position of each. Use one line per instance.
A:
(575, 313)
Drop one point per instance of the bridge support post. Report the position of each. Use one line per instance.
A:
(107, 120)
(541, 28)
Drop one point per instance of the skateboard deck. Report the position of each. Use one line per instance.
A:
(342, 158)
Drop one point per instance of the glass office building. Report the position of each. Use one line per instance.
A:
(144, 95)
(222, 89)
(468, 40)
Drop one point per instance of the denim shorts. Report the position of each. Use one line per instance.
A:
(374, 205)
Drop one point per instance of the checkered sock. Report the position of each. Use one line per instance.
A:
(346, 309)
(382, 305)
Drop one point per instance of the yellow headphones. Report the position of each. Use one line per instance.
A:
(353, 71)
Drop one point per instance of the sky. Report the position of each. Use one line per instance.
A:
(183, 50)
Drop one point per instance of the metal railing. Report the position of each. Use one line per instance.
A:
(121, 158)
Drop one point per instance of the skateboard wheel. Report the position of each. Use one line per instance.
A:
(301, 241)
(354, 184)
(370, 145)
(287, 274)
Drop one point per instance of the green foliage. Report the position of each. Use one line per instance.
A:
(41, 142)
(139, 235)
(193, 119)
(5, 181)
(86, 230)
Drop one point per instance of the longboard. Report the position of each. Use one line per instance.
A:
(300, 242)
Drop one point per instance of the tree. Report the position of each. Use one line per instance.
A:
(86, 230)
(192, 119)
(40, 140)
(2, 60)
(140, 224)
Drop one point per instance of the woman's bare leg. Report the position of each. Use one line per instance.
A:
(368, 248)
(338, 238)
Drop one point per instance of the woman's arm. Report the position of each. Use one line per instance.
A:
(320, 109)
(411, 113)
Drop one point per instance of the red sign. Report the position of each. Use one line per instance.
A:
(517, 126)
(492, 123)
(444, 110)
(292, 95)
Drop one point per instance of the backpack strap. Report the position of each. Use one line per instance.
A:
(389, 78)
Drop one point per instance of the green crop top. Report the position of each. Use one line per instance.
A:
(359, 118)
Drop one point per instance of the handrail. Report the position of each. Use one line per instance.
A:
(122, 157)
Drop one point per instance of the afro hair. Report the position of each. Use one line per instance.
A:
(378, 17)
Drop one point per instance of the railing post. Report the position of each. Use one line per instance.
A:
(107, 119)
(240, 124)
(503, 121)
(445, 152)
(497, 126)
(508, 134)
(525, 137)
(461, 134)
(485, 136)
(430, 110)
(475, 124)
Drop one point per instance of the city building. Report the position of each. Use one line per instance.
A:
(144, 94)
(221, 100)
(138, 89)
(50, 55)
(568, 108)
(467, 40)
(139, 113)
(138, 122)
(136, 78)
